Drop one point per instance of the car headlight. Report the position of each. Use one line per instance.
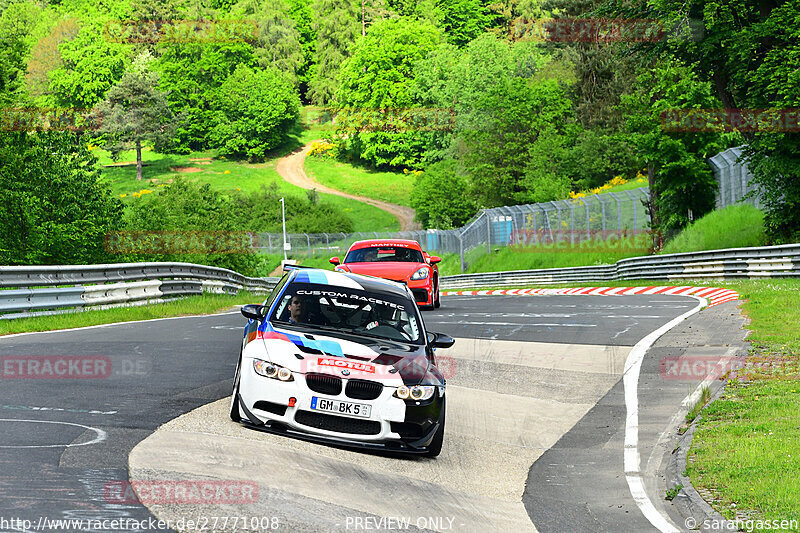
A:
(417, 392)
(422, 273)
(271, 370)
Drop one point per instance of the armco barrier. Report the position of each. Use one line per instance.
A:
(734, 263)
(27, 290)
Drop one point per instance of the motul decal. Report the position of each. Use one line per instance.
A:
(344, 363)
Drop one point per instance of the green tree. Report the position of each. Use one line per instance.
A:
(278, 42)
(455, 79)
(441, 196)
(92, 62)
(681, 182)
(56, 206)
(463, 20)
(750, 51)
(255, 111)
(16, 22)
(496, 152)
(375, 89)
(135, 110)
(337, 25)
(302, 14)
(190, 75)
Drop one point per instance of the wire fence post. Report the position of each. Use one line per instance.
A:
(461, 251)
(488, 231)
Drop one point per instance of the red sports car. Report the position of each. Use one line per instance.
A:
(398, 260)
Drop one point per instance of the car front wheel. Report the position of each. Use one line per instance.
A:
(435, 447)
(234, 411)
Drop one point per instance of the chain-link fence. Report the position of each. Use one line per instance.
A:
(565, 221)
(734, 178)
(568, 222)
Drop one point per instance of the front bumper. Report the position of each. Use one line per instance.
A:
(422, 290)
(393, 425)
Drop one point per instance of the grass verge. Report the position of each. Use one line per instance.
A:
(736, 226)
(194, 305)
(228, 176)
(392, 187)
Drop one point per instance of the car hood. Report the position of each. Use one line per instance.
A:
(398, 271)
(349, 356)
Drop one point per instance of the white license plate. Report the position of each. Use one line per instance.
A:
(340, 408)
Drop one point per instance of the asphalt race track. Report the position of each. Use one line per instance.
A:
(535, 425)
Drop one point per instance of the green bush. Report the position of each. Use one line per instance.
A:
(440, 197)
(199, 225)
(55, 207)
(255, 112)
(736, 226)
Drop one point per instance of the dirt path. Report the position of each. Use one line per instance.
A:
(291, 169)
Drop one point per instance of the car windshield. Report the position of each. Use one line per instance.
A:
(384, 253)
(350, 311)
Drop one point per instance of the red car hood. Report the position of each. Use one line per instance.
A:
(396, 271)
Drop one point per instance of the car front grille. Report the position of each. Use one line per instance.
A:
(360, 389)
(324, 384)
(420, 295)
(339, 424)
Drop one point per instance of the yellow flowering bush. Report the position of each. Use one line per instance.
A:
(412, 172)
(322, 149)
(141, 193)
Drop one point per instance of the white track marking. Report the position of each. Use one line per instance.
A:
(100, 434)
(631, 451)
(2, 337)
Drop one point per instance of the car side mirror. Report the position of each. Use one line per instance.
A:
(440, 340)
(334, 260)
(435, 259)
(254, 312)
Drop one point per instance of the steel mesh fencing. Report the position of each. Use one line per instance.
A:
(564, 221)
(734, 178)
(573, 221)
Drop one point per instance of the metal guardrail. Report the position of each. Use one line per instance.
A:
(734, 263)
(25, 291)
(29, 290)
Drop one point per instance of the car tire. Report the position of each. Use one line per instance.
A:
(236, 416)
(437, 302)
(435, 447)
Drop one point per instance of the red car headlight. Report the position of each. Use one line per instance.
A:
(421, 273)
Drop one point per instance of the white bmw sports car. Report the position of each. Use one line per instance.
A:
(342, 358)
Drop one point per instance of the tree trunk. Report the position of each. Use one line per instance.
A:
(138, 160)
(655, 220)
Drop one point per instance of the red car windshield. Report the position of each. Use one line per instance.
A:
(384, 254)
